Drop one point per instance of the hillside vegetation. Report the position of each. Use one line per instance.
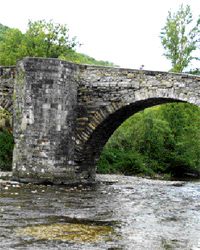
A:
(42, 39)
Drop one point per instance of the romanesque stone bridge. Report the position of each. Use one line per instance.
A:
(64, 113)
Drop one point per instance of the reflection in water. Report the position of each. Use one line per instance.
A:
(118, 213)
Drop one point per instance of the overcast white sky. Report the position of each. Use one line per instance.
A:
(125, 32)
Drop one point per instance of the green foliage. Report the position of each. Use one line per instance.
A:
(6, 150)
(161, 140)
(183, 120)
(179, 39)
(73, 56)
(11, 48)
(194, 71)
(3, 30)
(6, 141)
(47, 39)
(42, 39)
(119, 161)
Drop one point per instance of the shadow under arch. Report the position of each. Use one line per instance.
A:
(94, 145)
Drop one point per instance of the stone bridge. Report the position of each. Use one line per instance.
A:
(64, 113)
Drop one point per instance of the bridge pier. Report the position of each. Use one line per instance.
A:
(45, 98)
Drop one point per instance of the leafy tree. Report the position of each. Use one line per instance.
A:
(179, 39)
(163, 139)
(194, 71)
(6, 150)
(42, 39)
(73, 56)
(11, 48)
(184, 156)
(6, 141)
(47, 39)
(3, 29)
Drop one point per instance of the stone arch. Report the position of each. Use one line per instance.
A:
(102, 126)
(124, 92)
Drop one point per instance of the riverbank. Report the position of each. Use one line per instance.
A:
(6, 177)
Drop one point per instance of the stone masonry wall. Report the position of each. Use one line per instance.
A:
(108, 96)
(44, 115)
(7, 76)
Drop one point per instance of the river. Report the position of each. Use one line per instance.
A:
(119, 212)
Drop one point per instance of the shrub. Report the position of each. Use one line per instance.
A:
(6, 150)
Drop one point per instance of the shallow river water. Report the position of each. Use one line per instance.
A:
(119, 212)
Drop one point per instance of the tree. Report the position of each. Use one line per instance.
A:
(6, 149)
(73, 56)
(3, 29)
(179, 39)
(11, 48)
(194, 71)
(6, 141)
(42, 39)
(163, 139)
(47, 39)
